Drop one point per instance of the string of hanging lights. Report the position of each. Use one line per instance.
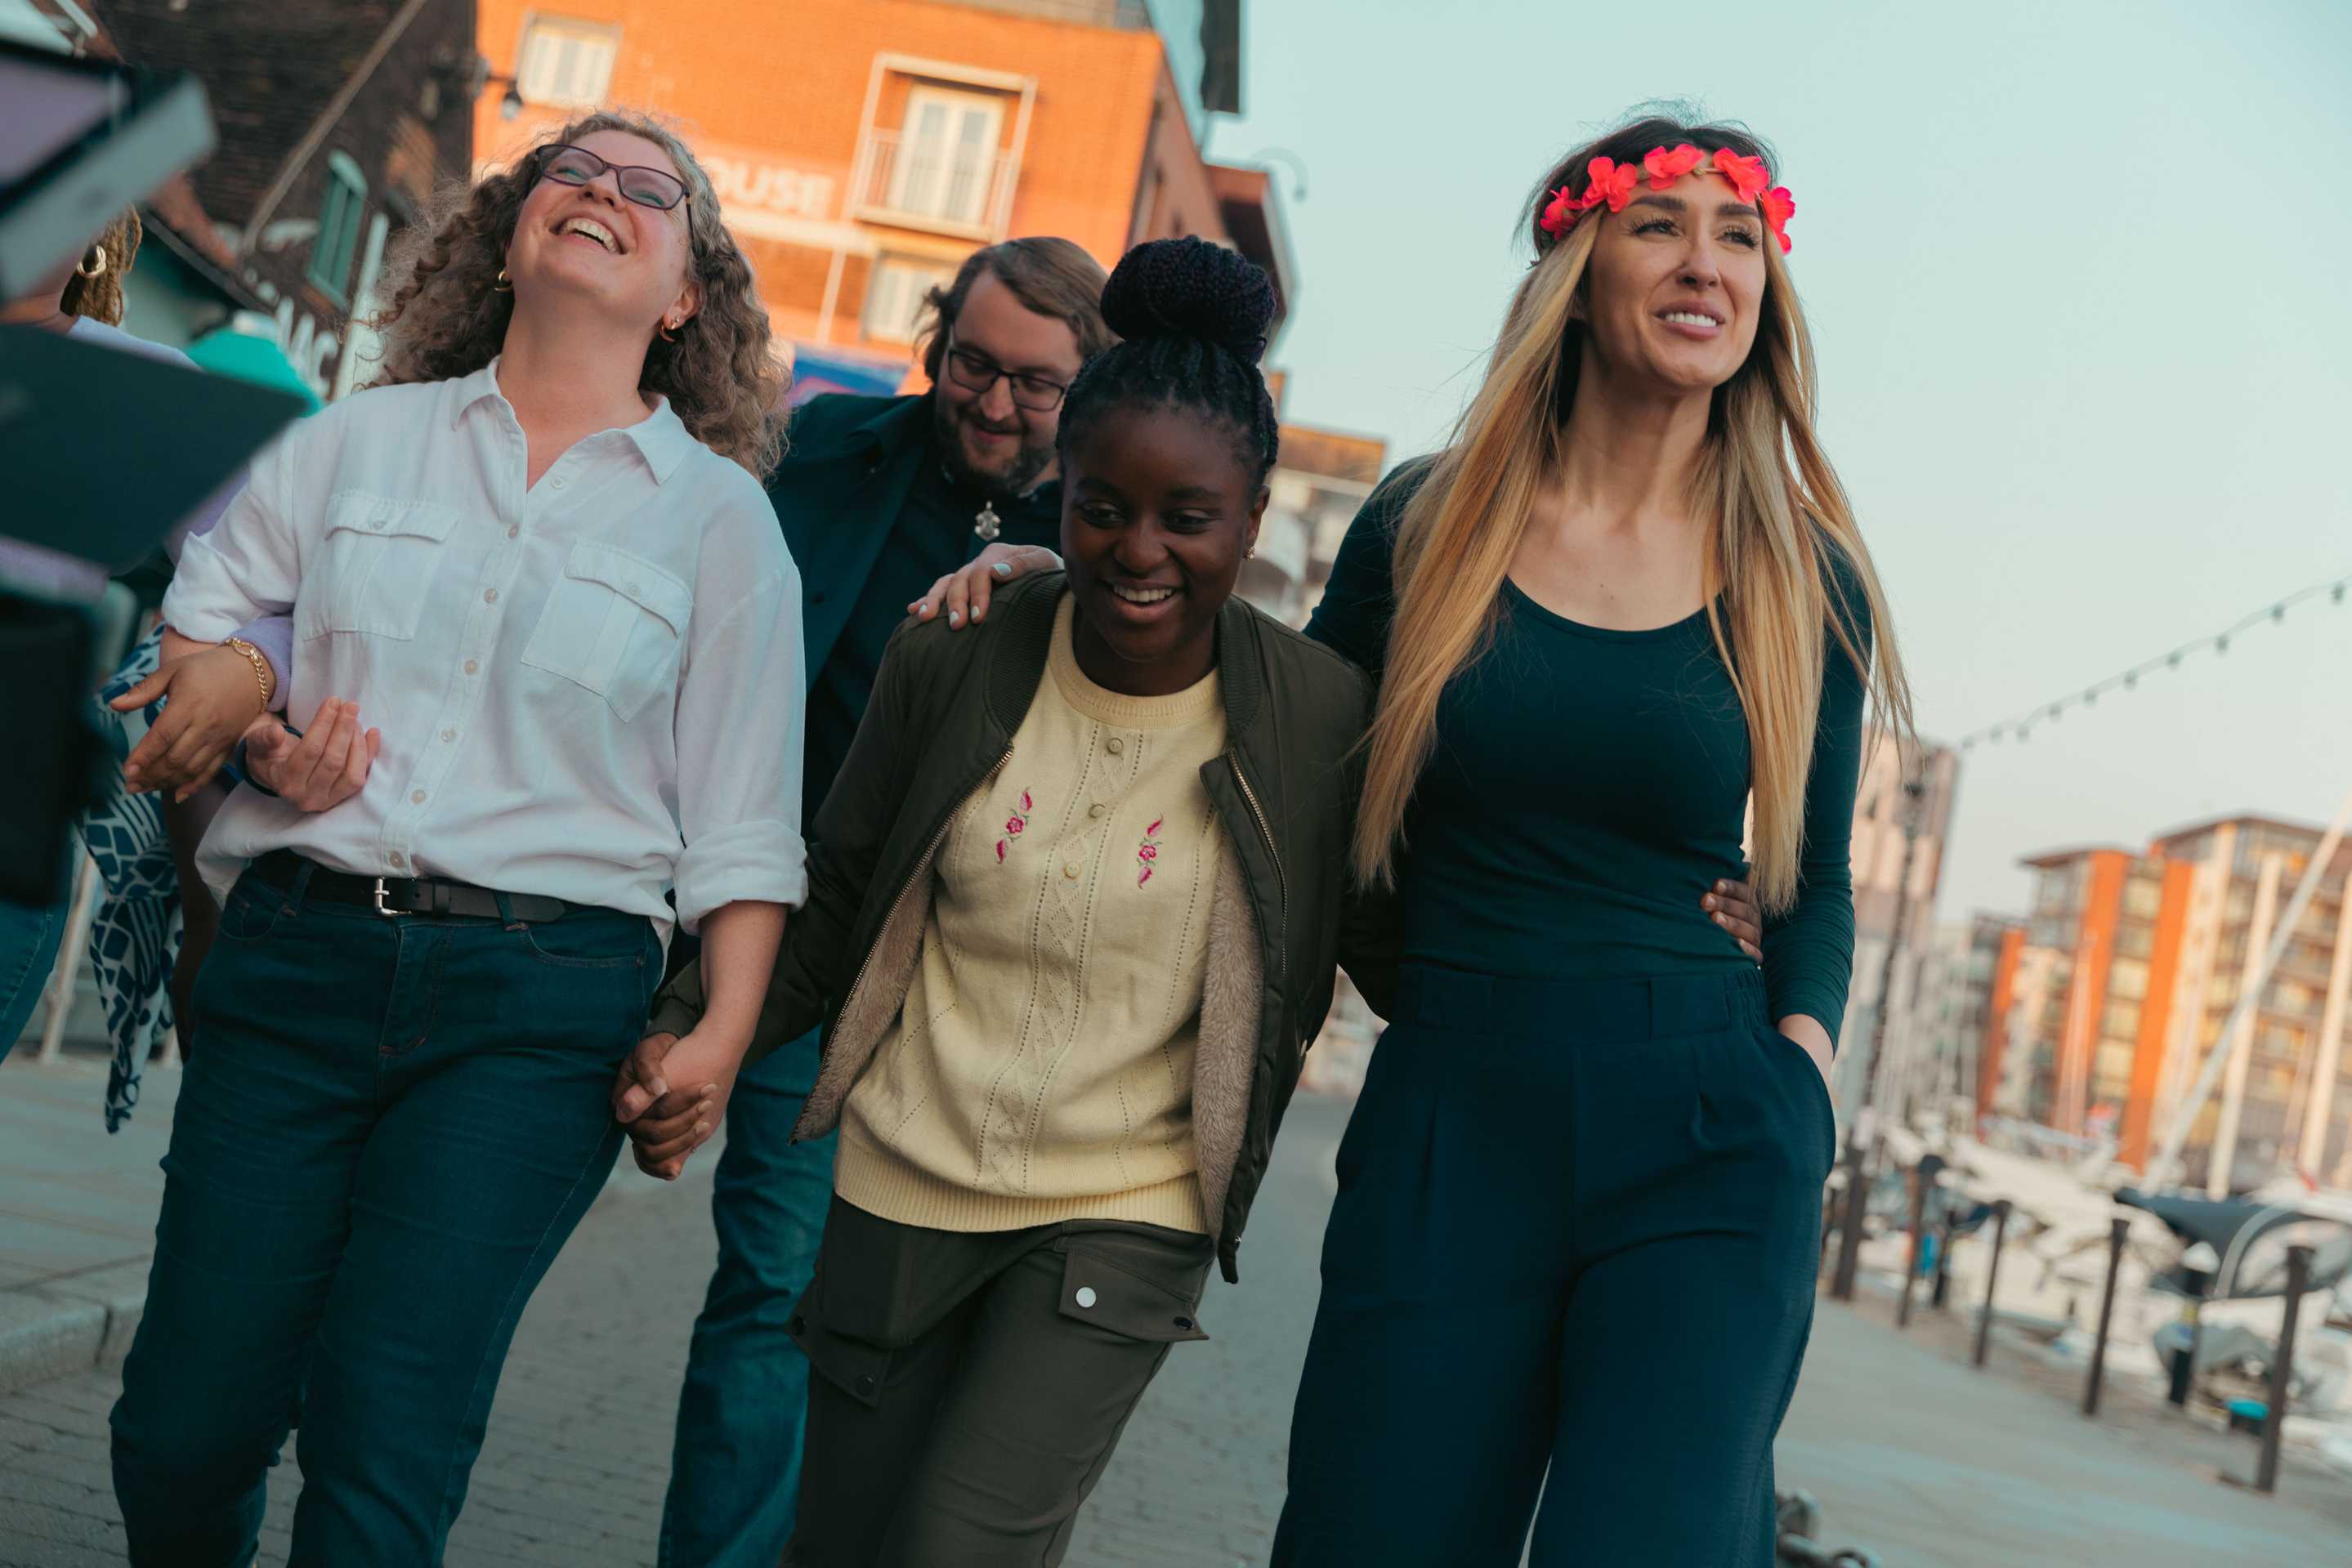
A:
(2022, 727)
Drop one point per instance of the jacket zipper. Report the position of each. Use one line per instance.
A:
(1281, 877)
(892, 913)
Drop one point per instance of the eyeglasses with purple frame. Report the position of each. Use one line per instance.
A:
(647, 186)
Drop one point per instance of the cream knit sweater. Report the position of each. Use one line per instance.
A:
(1041, 1068)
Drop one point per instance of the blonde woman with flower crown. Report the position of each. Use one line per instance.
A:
(1574, 1242)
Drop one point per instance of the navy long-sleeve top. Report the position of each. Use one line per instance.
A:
(1589, 785)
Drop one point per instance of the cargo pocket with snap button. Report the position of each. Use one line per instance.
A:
(1098, 1291)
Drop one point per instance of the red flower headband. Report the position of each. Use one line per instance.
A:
(1607, 181)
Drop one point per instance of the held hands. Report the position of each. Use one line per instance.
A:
(214, 697)
(962, 594)
(326, 766)
(667, 1125)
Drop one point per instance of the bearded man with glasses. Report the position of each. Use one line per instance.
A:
(878, 498)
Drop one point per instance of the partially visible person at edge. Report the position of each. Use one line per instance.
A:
(83, 299)
(1025, 1214)
(538, 555)
(1579, 1194)
(875, 497)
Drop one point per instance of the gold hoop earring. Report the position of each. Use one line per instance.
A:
(667, 331)
(93, 263)
(504, 285)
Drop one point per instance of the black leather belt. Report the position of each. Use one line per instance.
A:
(396, 895)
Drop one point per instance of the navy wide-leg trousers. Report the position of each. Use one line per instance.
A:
(1572, 1254)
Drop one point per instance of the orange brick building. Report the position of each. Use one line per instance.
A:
(863, 147)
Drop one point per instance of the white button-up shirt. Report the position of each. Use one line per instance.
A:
(590, 689)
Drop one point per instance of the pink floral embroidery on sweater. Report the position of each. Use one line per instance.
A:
(1014, 826)
(1148, 851)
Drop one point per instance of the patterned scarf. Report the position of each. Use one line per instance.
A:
(134, 939)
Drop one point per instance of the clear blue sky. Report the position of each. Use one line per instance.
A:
(2080, 278)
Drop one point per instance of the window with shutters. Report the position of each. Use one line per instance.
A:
(945, 159)
(941, 148)
(338, 225)
(894, 296)
(565, 61)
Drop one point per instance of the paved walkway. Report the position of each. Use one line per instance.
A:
(1933, 1463)
(1910, 1452)
(77, 1213)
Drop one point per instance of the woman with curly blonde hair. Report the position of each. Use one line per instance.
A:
(536, 554)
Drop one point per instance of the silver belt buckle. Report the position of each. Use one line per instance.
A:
(380, 909)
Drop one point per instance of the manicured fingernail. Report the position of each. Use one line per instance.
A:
(922, 607)
(700, 1128)
(1707, 902)
(955, 617)
(658, 1088)
(1002, 569)
(1723, 920)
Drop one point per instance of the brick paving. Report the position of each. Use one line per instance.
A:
(1911, 1453)
(578, 1452)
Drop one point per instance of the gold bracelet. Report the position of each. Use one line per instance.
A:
(259, 660)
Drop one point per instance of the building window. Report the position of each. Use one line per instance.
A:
(339, 224)
(894, 296)
(945, 162)
(564, 61)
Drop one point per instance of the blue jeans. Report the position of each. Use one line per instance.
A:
(29, 938)
(393, 1126)
(735, 1472)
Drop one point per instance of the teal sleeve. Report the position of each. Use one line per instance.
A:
(1809, 950)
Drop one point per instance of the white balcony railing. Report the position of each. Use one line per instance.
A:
(933, 185)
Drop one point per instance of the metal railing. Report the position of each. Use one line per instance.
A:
(932, 185)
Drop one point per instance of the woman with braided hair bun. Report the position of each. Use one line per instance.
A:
(1074, 904)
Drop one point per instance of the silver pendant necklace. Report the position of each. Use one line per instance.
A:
(988, 524)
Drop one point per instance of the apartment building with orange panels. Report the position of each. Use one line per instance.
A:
(2109, 1001)
(863, 147)
(2007, 939)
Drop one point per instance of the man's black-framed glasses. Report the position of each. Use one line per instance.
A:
(647, 186)
(975, 371)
